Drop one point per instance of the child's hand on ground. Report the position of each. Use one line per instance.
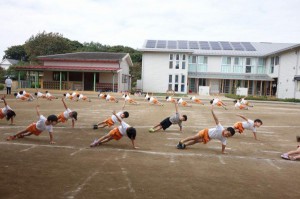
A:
(135, 147)
(52, 142)
(224, 153)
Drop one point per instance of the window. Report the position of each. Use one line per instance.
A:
(272, 64)
(183, 65)
(56, 76)
(170, 82)
(298, 85)
(170, 78)
(276, 60)
(193, 59)
(202, 82)
(248, 65)
(176, 78)
(202, 60)
(261, 62)
(177, 57)
(236, 61)
(177, 65)
(248, 61)
(183, 57)
(170, 65)
(182, 79)
(226, 60)
(75, 76)
(124, 78)
(171, 56)
(182, 87)
(248, 69)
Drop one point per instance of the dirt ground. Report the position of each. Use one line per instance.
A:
(32, 168)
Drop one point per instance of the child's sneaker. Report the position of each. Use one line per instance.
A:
(151, 130)
(285, 156)
(179, 145)
(10, 138)
(95, 143)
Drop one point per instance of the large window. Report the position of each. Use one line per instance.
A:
(298, 85)
(124, 78)
(56, 76)
(182, 88)
(177, 65)
(248, 65)
(170, 64)
(272, 64)
(176, 83)
(226, 65)
(75, 76)
(261, 68)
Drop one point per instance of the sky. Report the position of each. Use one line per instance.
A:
(131, 22)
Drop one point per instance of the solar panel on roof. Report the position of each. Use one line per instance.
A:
(204, 45)
(237, 46)
(248, 46)
(215, 45)
(193, 45)
(151, 44)
(161, 44)
(172, 44)
(182, 45)
(226, 45)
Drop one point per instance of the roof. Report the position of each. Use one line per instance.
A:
(66, 68)
(237, 76)
(85, 56)
(256, 49)
(11, 61)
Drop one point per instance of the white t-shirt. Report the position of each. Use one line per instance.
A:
(66, 114)
(8, 82)
(151, 99)
(74, 94)
(127, 98)
(216, 133)
(68, 95)
(243, 101)
(5, 109)
(39, 94)
(108, 97)
(48, 95)
(237, 104)
(249, 125)
(19, 96)
(41, 126)
(147, 96)
(114, 118)
(122, 128)
(180, 101)
(80, 96)
(169, 99)
(193, 98)
(215, 101)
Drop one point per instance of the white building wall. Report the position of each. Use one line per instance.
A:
(125, 71)
(214, 63)
(155, 72)
(287, 71)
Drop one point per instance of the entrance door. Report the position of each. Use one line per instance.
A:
(88, 81)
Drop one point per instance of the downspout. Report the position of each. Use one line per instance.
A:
(297, 66)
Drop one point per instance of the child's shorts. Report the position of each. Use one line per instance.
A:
(61, 118)
(1, 114)
(32, 129)
(109, 122)
(115, 133)
(204, 135)
(166, 123)
(239, 127)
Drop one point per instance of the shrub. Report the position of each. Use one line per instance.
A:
(1, 87)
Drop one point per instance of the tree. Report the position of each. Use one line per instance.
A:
(93, 47)
(47, 44)
(16, 52)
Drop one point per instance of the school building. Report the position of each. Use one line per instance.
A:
(221, 67)
(88, 71)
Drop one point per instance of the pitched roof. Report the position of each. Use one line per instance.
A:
(67, 68)
(11, 61)
(258, 49)
(86, 56)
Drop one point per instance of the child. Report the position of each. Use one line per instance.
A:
(37, 128)
(67, 114)
(183, 103)
(206, 135)
(68, 96)
(166, 123)
(131, 101)
(245, 102)
(21, 97)
(170, 99)
(28, 95)
(49, 96)
(7, 112)
(113, 119)
(147, 96)
(238, 105)
(292, 155)
(83, 97)
(218, 102)
(110, 98)
(40, 95)
(117, 133)
(154, 101)
(196, 100)
(102, 96)
(248, 124)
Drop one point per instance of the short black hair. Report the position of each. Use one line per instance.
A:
(231, 130)
(35, 93)
(15, 94)
(148, 98)
(258, 120)
(126, 114)
(10, 114)
(211, 101)
(65, 94)
(125, 95)
(185, 117)
(105, 95)
(52, 118)
(74, 115)
(167, 97)
(21, 92)
(131, 133)
(78, 95)
(235, 101)
(191, 98)
(46, 91)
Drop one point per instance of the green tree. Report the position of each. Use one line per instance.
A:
(16, 52)
(47, 44)
(93, 47)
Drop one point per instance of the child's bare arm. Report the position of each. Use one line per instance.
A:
(223, 148)
(176, 107)
(51, 138)
(242, 117)
(214, 116)
(133, 145)
(3, 98)
(37, 110)
(62, 99)
(124, 104)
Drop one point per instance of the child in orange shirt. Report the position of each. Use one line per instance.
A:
(37, 128)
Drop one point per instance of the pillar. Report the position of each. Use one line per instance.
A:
(113, 82)
(60, 80)
(19, 80)
(94, 82)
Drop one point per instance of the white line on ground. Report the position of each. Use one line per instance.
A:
(271, 151)
(251, 143)
(28, 149)
(148, 152)
(221, 160)
(131, 189)
(76, 152)
(78, 189)
(272, 164)
(172, 159)
(172, 138)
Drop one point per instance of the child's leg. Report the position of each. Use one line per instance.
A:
(191, 138)
(157, 128)
(295, 157)
(294, 152)
(191, 142)
(18, 135)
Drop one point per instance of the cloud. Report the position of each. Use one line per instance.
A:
(130, 22)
